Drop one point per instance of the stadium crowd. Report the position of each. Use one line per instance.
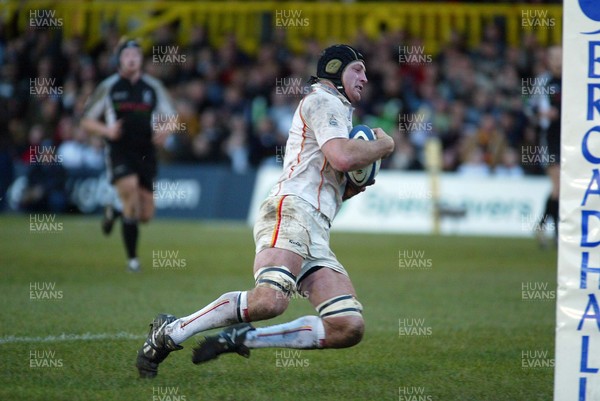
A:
(235, 108)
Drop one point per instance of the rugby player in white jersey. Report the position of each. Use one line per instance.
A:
(292, 235)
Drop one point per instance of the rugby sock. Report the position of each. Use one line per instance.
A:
(230, 308)
(129, 228)
(306, 332)
(546, 211)
(117, 213)
(552, 206)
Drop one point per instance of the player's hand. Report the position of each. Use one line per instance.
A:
(352, 190)
(387, 140)
(113, 132)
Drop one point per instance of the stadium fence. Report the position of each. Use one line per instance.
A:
(434, 23)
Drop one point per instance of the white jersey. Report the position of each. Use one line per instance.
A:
(322, 115)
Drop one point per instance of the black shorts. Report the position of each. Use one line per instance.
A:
(123, 163)
(554, 154)
(553, 139)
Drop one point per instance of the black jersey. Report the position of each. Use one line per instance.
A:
(138, 105)
(553, 131)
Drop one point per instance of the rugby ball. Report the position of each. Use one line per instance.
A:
(366, 175)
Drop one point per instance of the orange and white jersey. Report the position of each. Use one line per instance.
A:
(322, 115)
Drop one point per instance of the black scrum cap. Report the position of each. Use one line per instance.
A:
(128, 44)
(334, 60)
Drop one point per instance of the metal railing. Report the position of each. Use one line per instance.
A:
(433, 23)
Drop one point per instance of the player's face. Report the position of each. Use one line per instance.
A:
(354, 79)
(130, 60)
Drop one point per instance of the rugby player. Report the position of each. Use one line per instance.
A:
(292, 235)
(121, 110)
(549, 110)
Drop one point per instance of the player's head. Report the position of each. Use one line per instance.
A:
(345, 67)
(129, 55)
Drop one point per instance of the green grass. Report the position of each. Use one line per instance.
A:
(470, 299)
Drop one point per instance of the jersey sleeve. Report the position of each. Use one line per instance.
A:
(164, 103)
(97, 103)
(325, 116)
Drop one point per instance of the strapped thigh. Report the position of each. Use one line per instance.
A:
(276, 277)
(342, 305)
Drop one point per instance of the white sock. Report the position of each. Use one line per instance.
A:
(228, 309)
(306, 332)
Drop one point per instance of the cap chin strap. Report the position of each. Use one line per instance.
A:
(340, 87)
(343, 91)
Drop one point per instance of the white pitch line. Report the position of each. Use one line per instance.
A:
(71, 337)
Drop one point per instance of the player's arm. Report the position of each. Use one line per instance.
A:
(327, 117)
(111, 132)
(348, 154)
(164, 106)
(95, 107)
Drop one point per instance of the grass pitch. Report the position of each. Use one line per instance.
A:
(447, 318)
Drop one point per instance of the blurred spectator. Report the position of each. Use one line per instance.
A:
(93, 157)
(35, 138)
(268, 142)
(77, 151)
(474, 164)
(491, 139)
(46, 179)
(404, 156)
(281, 112)
(206, 146)
(71, 149)
(236, 146)
(509, 166)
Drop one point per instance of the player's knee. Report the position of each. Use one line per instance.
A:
(354, 329)
(146, 205)
(276, 303)
(266, 303)
(130, 208)
(146, 216)
(274, 285)
(344, 332)
(127, 192)
(343, 321)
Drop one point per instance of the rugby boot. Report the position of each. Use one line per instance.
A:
(156, 348)
(230, 339)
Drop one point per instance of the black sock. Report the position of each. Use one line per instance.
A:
(552, 207)
(129, 228)
(546, 211)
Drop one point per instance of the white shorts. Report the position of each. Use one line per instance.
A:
(289, 222)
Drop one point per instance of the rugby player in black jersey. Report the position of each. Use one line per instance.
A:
(122, 110)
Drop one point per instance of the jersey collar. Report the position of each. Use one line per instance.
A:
(330, 89)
